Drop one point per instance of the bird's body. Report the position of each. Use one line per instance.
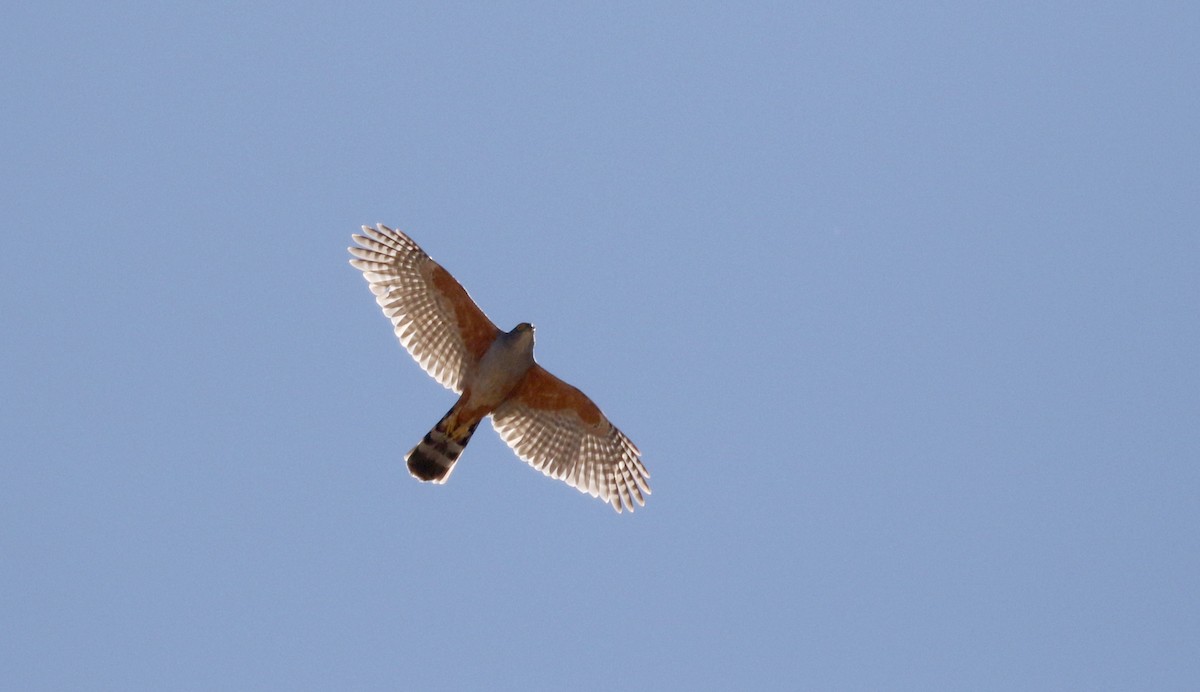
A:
(546, 421)
(499, 371)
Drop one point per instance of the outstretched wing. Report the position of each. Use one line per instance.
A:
(433, 316)
(558, 430)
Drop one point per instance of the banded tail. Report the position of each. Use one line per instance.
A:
(435, 455)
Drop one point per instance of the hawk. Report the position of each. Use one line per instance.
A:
(546, 421)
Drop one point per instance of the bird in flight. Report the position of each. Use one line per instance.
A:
(546, 421)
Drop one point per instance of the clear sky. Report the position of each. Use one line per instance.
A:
(901, 302)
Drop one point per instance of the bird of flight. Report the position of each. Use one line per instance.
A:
(546, 421)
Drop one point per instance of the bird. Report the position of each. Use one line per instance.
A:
(548, 423)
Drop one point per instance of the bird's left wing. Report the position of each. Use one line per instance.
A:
(559, 431)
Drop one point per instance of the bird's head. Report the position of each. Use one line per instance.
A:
(523, 331)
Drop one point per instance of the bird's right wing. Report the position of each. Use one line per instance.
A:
(433, 316)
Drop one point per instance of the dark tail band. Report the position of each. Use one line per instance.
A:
(434, 457)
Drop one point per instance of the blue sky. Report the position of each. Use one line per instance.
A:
(899, 302)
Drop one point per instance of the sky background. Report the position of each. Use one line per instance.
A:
(901, 303)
